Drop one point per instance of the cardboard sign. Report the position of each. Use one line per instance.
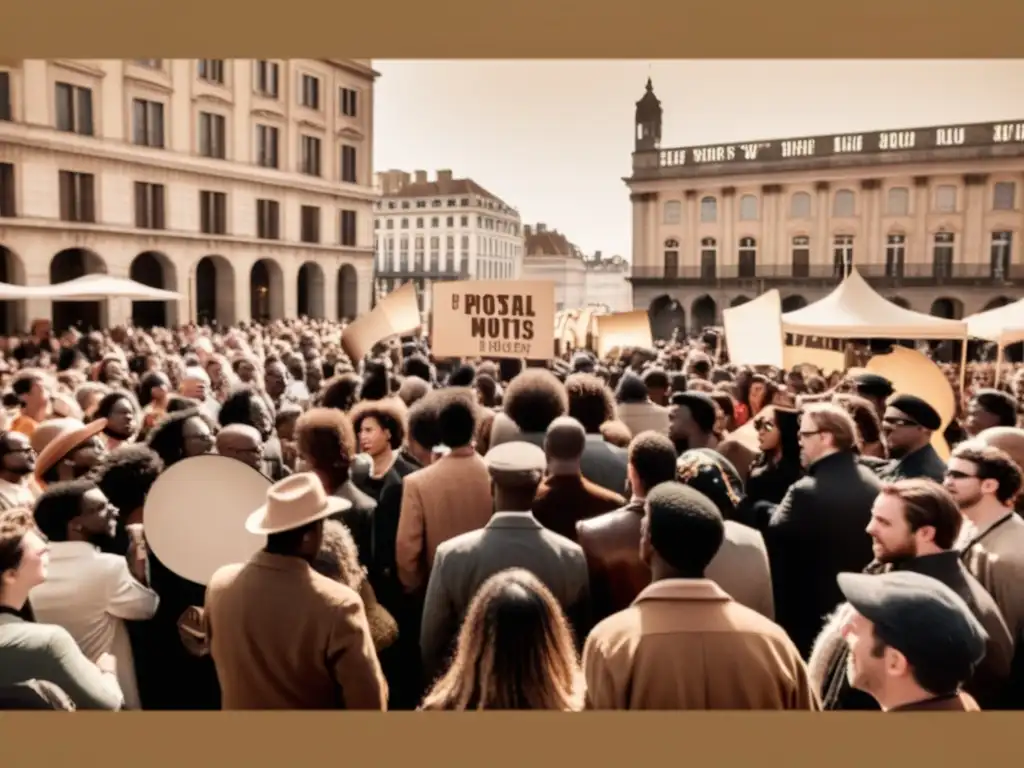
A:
(753, 331)
(494, 318)
(623, 329)
(397, 314)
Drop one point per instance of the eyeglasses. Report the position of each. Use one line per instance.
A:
(955, 474)
(894, 421)
(808, 433)
(763, 425)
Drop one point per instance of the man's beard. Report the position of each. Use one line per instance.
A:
(966, 502)
(111, 432)
(897, 451)
(907, 551)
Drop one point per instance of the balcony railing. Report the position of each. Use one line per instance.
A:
(425, 273)
(903, 274)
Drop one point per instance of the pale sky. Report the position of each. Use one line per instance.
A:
(553, 138)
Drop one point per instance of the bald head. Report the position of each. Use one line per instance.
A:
(241, 442)
(564, 443)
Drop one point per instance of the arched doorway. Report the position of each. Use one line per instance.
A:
(348, 293)
(666, 315)
(899, 301)
(266, 293)
(704, 313)
(739, 301)
(155, 270)
(950, 309)
(12, 313)
(71, 264)
(215, 291)
(998, 301)
(793, 303)
(311, 291)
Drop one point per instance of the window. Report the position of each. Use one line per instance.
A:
(844, 203)
(268, 219)
(149, 63)
(449, 221)
(748, 208)
(942, 254)
(419, 222)
(8, 207)
(842, 254)
(802, 254)
(434, 222)
(147, 123)
(266, 78)
(310, 224)
(77, 197)
(671, 259)
(708, 257)
(212, 71)
(435, 257)
(898, 203)
(463, 221)
(266, 146)
(310, 156)
(149, 205)
(405, 223)
(709, 210)
(348, 164)
(74, 109)
(464, 202)
(5, 95)
(748, 257)
(404, 253)
(309, 94)
(213, 209)
(417, 255)
(1004, 196)
(673, 212)
(945, 198)
(1002, 247)
(212, 136)
(895, 255)
(389, 224)
(348, 102)
(348, 228)
(800, 206)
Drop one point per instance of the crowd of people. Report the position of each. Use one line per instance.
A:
(658, 529)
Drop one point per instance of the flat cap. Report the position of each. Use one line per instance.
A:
(919, 616)
(516, 464)
(873, 385)
(917, 409)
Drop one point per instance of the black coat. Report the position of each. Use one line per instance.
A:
(924, 462)
(358, 518)
(817, 532)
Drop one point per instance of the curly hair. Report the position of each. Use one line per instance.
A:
(338, 558)
(390, 413)
(590, 401)
(341, 392)
(126, 475)
(237, 407)
(327, 437)
(106, 405)
(422, 423)
(534, 399)
(167, 438)
(58, 505)
(457, 413)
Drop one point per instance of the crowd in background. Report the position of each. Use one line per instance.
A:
(659, 529)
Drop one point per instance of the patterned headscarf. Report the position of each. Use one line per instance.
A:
(713, 475)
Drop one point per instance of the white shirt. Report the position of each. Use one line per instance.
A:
(13, 495)
(90, 593)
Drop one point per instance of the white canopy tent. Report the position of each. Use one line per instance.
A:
(855, 310)
(1003, 325)
(88, 288)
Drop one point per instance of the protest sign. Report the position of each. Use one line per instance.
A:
(623, 329)
(494, 318)
(397, 313)
(753, 331)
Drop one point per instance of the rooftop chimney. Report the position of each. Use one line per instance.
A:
(444, 176)
(421, 177)
(542, 228)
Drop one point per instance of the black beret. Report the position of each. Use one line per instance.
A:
(873, 385)
(700, 405)
(918, 410)
(919, 616)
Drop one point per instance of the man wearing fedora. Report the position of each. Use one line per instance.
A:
(281, 635)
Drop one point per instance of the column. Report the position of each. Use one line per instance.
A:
(639, 259)
(972, 249)
(727, 252)
(919, 254)
(689, 257)
(872, 220)
(821, 246)
(783, 255)
(654, 243)
(768, 261)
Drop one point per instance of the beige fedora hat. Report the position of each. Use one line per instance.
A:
(296, 501)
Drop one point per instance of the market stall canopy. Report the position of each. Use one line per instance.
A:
(9, 292)
(855, 311)
(100, 287)
(1003, 324)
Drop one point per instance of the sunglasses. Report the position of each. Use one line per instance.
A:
(897, 422)
(955, 474)
(763, 425)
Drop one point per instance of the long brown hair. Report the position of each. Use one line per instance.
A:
(515, 651)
